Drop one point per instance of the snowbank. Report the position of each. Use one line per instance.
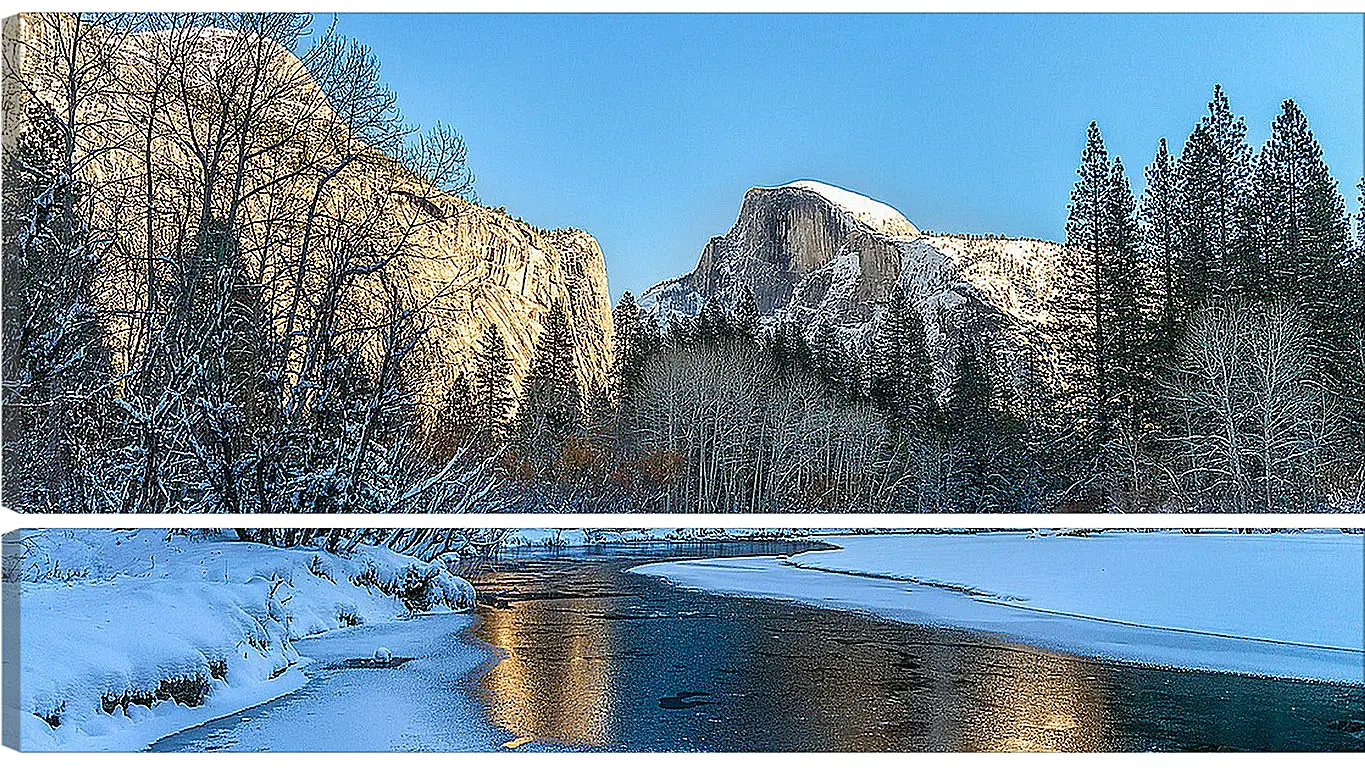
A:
(1284, 605)
(590, 537)
(126, 636)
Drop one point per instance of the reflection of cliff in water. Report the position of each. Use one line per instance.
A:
(887, 687)
(598, 658)
(556, 682)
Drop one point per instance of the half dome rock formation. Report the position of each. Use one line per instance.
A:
(814, 253)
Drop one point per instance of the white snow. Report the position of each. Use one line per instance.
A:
(873, 213)
(588, 537)
(1284, 605)
(106, 612)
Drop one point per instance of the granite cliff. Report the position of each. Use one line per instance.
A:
(465, 264)
(814, 253)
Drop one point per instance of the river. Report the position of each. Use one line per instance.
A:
(568, 651)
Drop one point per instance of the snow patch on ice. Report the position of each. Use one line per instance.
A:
(1285, 605)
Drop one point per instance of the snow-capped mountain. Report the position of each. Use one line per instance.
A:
(814, 253)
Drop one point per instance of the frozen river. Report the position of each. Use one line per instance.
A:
(573, 652)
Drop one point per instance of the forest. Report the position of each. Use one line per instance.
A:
(1212, 341)
(1213, 330)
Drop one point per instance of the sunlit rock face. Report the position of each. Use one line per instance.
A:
(512, 274)
(812, 253)
(465, 265)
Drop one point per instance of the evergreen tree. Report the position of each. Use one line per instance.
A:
(218, 335)
(54, 364)
(746, 314)
(1300, 231)
(789, 349)
(1089, 230)
(652, 336)
(1214, 169)
(630, 344)
(1124, 301)
(1358, 261)
(681, 330)
(900, 374)
(969, 428)
(1159, 239)
(552, 396)
(454, 422)
(713, 324)
(492, 390)
(831, 361)
(1354, 374)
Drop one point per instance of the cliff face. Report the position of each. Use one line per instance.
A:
(509, 274)
(465, 265)
(814, 253)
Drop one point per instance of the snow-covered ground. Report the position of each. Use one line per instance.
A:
(127, 636)
(1285, 605)
(588, 537)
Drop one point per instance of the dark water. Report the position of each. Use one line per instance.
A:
(602, 659)
(599, 659)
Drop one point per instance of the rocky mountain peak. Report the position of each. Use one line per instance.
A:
(873, 213)
(813, 253)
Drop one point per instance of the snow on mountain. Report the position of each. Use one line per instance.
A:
(813, 253)
(873, 213)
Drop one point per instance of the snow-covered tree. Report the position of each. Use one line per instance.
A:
(745, 319)
(1261, 433)
(56, 366)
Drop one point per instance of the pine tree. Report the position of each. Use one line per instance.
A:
(54, 364)
(219, 332)
(1089, 232)
(789, 349)
(713, 324)
(1214, 170)
(1358, 262)
(680, 330)
(1353, 375)
(970, 427)
(1124, 301)
(454, 423)
(1158, 228)
(900, 374)
(746, 314)
(629, 353)
(1300, 231)
(492, 390)
(831, 360)
(552, 396)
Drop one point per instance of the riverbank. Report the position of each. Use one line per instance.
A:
(128, 636)
(1278, 605)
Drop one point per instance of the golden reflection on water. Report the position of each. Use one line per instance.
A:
(1035, 702)
(807, 679)
(880, 690)
(553, 685)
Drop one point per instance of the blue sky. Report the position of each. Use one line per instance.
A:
(646, 130)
